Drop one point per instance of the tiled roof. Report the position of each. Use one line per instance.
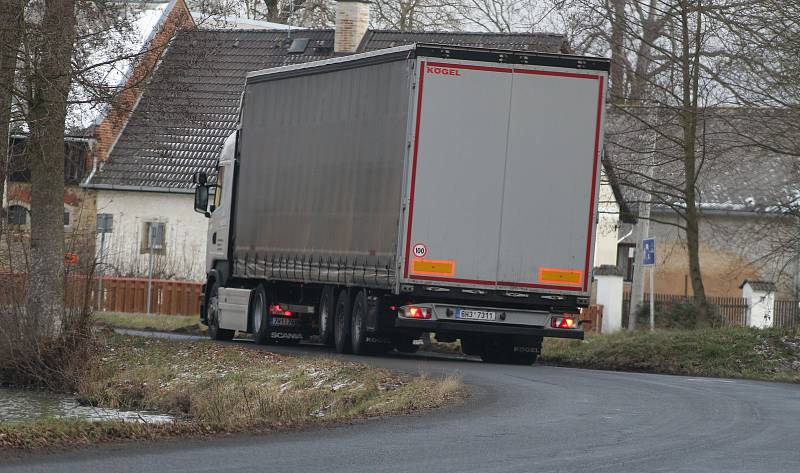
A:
(737, 171)
(190, 104)
(539, 42)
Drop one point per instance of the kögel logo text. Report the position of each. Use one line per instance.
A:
(445, 71)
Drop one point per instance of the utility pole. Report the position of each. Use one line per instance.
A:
(637, 290)
(642, 232)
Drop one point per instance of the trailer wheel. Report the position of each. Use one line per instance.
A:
(358, 325)
(341, 330)
(212, 304)
(327, 309)
(259, 315)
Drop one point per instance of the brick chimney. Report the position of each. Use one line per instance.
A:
(352, 21)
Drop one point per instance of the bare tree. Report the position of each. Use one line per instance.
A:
(49, 74)
(10, 32)
(508, 16)
(416, 15)
(663, 85)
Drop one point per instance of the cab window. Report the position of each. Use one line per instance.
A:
(218, 189)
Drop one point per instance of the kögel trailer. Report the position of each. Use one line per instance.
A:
(372, 199)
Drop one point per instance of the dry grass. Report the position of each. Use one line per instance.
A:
(730, 352)
(221, 388)
(189, 324)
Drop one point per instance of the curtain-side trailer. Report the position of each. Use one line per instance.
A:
(370, 199)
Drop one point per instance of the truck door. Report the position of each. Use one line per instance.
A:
(457, 171)
(551, 179)
(219, 224)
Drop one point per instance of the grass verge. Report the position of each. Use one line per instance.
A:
(212, 388)
(731, 352)
(188, 324)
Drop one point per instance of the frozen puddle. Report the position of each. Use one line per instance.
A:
(21, 405)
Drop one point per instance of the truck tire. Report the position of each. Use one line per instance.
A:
(258, 312)
(341, 329)
(358, 324)
(212, 308)
(327, 309)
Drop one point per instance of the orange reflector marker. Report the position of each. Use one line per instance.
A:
(567, 277)
(434, 267)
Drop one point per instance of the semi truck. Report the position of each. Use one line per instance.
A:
(369, 200)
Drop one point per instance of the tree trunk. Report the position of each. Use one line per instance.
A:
(11, 18)
(50, 85)
(618, 27)
(689, 118)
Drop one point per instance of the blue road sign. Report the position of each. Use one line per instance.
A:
(649, 250)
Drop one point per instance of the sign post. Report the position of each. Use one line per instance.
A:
(649, 260)
(105, 224)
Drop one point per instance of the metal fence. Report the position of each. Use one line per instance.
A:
(732, 309)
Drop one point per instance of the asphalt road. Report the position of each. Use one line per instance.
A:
(518, 419)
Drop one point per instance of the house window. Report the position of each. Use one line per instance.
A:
(66, 217)
(626, 254)
(154, 237)
(17, 215)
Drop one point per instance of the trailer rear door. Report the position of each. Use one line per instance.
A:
(551, 179)
(503, 179)
(457, 172)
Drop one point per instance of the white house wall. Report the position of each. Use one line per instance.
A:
(185, 234)
(605, 247)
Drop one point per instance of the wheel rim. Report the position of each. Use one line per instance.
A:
(339, 320)
(258, 311)
(213, 306)
(357, 324)
(323, 317)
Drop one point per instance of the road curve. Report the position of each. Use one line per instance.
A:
(518, 419)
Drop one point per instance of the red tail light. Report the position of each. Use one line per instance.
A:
(563, 322)
(414, 312)
(276, 309)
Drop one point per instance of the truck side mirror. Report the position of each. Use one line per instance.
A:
(201, 200)
(200, 178)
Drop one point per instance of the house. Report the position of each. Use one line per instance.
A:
(79, 211)
(747, 195)
(190, 106)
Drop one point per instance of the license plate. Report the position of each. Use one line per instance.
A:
(468, 314)
(276, 322)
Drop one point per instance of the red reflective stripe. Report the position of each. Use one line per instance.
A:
(471, 67)
(414, 167)
(493, 283)
(572, 75)
(593, 185)
(594, 181)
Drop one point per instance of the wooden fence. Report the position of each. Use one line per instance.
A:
(167, 297)
(119, 294)
(787, 314)
(593, 317)
(732, 309)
